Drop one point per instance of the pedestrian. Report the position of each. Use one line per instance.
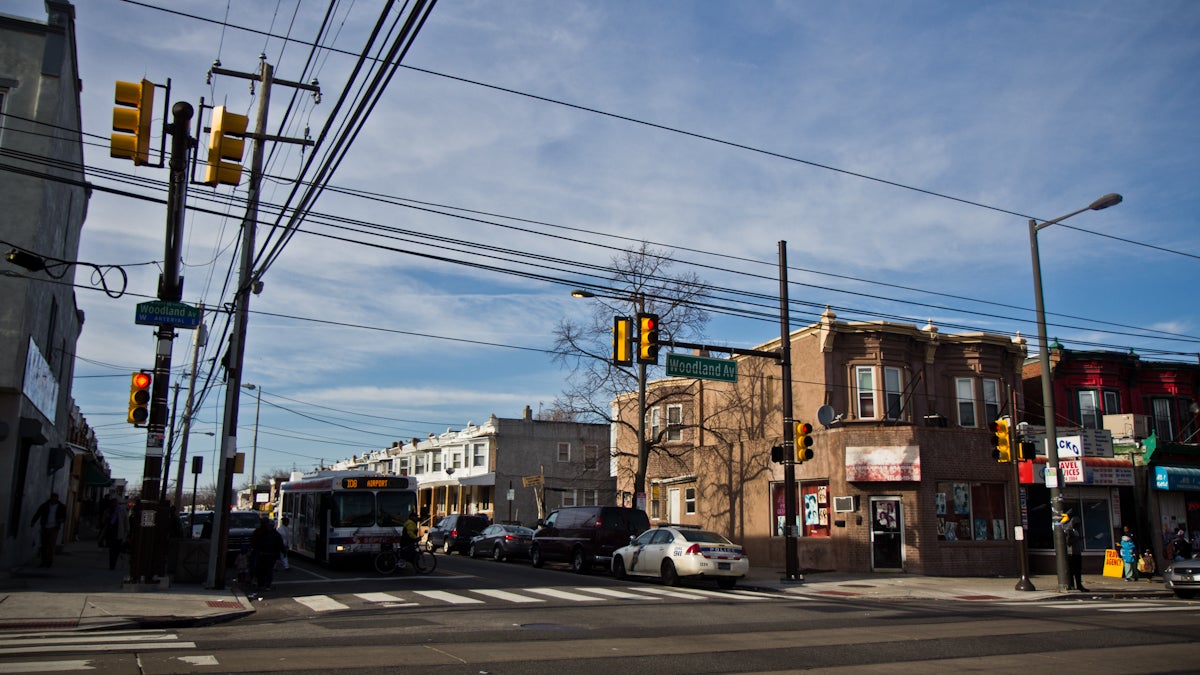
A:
(1146, 565)
(51, 515)
(267, 546)
(1075, 540)
(1129, 557)
(115, 532)
(285, 533)
(241, 564)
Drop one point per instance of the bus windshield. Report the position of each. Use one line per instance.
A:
(394, 507)
(353, 509)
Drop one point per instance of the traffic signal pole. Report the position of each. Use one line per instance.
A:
(151, 513)
(791, 572)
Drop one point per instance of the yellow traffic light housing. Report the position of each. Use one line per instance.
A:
(131, 117)
(622, 354)
(803, 442)
(647, 338)
(139, 398)
(1002, 441)
(225, 147)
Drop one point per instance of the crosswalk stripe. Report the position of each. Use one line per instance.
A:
(77, 639)
(41, 649)
(614, 593)
(451, 598)
(673, 593)
(563, 595)
(1156, 608)
(47, 666)
(320, 603)
(505, 595)
(379, 597)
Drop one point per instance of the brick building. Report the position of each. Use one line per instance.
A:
(902, 477)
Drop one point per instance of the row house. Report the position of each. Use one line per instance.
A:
(902, 475)
(510, 470)
(1151, 411)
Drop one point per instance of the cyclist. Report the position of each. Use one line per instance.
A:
(408, 538)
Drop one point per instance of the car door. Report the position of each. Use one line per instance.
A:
(437, 534)
(636, 562)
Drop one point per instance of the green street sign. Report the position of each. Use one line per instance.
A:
(166, 313)
(701, 368)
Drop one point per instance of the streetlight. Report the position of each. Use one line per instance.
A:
(639, 480)
(1056, 510)
(254, 447)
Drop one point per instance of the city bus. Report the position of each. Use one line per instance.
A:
(338, 515)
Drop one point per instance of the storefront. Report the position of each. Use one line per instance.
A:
(1178, 499)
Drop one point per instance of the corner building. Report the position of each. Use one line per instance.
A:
(902, 478)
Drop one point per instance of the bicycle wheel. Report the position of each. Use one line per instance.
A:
(385, 562)
(425, 562)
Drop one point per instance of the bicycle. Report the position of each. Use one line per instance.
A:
(414, 557)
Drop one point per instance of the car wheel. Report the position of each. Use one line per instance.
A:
(726, 582)
(618, 568)
(471, 551)
(497, 553)
(669, 576)
(579, 562)
(446, 548)
(1185, 595)
(535, 557)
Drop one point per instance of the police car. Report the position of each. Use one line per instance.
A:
(673, 552)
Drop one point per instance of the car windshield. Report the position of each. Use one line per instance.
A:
(704, 537)
(244, 521)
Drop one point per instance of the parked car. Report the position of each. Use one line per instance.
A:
(501, 542)
(1183, 577)
(672, 553)
(585, 535)
(455, 531)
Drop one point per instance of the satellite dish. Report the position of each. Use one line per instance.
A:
(825, 416)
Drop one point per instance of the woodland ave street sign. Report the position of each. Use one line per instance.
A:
(167, 313)
(701, 368)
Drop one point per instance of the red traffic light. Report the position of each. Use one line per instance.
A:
(141, 380)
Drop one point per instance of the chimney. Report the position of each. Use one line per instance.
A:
(527, 415)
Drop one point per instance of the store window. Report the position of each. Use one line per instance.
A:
(970, 511)
(1097, 521)
(812, 511)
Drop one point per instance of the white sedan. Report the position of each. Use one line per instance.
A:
(672, 553)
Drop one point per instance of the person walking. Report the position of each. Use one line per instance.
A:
(267, 546)
(51, 515)
(1179, 548)
(1129, 557)
(285, 533)
(115, 532)
(1075, 540)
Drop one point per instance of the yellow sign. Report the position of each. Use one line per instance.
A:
(1113, 565)
(532, 481)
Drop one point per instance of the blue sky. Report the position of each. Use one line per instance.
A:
(899, 149)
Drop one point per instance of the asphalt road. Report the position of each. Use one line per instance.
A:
(485, 617)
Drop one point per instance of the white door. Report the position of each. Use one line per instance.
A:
(673, 505)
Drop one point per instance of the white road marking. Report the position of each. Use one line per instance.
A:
(379, 597)
(505, 595)
(124, 646)
(320, 603)
(563, 595)
(614, 593)
(205, 660)
(674, 593)
(46, 666)
(449, 597)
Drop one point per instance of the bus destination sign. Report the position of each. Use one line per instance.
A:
(375, 483)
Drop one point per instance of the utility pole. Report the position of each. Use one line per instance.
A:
(149, 531)
(791, 557)
(241, 307)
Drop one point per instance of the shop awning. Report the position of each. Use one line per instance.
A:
(481, 479)
(1183, 478)
(1115, 471)
(94, 476)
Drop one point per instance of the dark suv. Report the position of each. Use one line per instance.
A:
(454, 532)
(585, 535)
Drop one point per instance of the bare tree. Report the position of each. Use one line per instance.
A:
(641, 281)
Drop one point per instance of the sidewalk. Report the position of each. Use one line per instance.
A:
(900, 586)
(80, 592)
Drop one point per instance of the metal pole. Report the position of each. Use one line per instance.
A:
(1023, 584)
(1052, 477)
(198, 340)
(791, 555)
(639, 483)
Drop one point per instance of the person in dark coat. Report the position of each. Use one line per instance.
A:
(115, 532)
(267, 546)
(51, 515)
(1075, 541)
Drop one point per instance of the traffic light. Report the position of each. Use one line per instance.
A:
(225, 147)
(777, 454)
(647, 338)
(139, 398)
(803, 442)
(622, 353)
(1028, 450)
(1000, 439)
(131, 117)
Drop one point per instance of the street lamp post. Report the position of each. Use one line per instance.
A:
(1056, 504)
(254, 446)
(639, 481)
